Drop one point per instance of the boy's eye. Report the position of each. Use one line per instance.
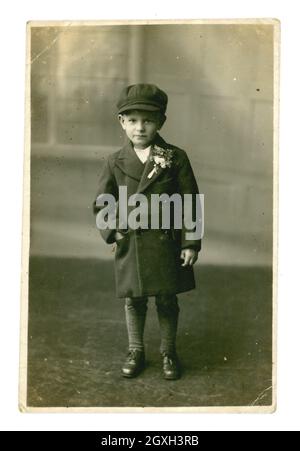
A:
(146, 121)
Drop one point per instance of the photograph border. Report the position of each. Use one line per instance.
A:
(26, 223)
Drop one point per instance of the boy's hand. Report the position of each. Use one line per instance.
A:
(119, 236)
(189, 257)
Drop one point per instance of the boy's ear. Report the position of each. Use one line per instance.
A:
(163, 119)
(121, 120)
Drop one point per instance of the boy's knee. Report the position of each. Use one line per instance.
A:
(139, 304)
(167, 303)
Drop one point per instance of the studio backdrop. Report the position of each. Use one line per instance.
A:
(220, 84)
(220, 81)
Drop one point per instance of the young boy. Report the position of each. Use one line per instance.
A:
(149, 261)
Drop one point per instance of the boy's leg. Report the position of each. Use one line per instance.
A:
(168, 312)
(135, 312)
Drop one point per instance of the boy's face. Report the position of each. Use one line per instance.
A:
(141, 126)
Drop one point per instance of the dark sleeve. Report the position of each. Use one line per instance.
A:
(106, 185)
(187, 185)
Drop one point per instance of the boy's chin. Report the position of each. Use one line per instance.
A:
(140, 144)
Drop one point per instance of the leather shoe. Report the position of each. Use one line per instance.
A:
(134, 363)
(171, 367)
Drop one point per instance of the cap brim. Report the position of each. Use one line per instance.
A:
(139, 106)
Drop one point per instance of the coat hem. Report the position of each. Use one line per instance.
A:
(169, 293)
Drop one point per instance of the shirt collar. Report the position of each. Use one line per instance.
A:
(143, 150)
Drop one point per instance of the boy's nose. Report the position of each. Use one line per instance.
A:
(140, 125)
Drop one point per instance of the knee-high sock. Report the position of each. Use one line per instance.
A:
(168, 312)
(135, 311)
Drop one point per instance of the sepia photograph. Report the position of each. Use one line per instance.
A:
(149, 259)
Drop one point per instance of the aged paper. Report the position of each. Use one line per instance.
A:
(222, 79)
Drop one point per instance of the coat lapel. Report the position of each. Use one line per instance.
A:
(145, 182)
(129, 162)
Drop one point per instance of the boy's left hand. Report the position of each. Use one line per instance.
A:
(189, 257)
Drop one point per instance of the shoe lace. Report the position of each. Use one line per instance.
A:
(169, 359)
(132, 354)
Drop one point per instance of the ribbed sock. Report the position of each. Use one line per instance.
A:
(135, 312)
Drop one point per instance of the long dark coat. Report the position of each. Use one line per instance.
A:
(147, 262)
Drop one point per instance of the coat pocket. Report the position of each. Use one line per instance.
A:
(168, 180)
(164, 186)
(123, 246)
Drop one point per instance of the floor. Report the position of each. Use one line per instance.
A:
(77, 339)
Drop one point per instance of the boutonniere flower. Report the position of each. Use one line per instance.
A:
(162, 158)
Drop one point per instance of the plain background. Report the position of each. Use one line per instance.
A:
(219, 79)
(12, 121)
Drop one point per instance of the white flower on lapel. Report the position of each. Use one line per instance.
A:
(160, 161)
(162, 158)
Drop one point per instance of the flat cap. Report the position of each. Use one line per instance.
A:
(142, 97)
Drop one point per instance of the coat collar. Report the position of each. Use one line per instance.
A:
(131, 165)
(129, 162)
